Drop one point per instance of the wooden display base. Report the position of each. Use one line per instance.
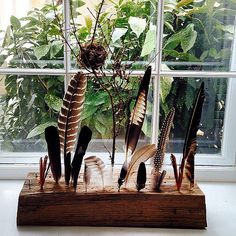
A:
(60, 205)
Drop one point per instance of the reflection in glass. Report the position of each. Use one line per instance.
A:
(180, 93)
(198, 34)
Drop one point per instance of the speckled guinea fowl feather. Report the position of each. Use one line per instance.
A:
(93, 164)
(137, 115)
(69, 117)
(70, 113)
(163, 139)
(190, 144)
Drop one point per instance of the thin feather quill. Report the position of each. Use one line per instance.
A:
(82, 144)
(53, 145)
(69, 117)
(190, 144)
(141, 155)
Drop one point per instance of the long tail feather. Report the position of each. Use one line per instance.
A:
(174, 165)
(82, 144)
(53, 144)
(190, 144)
(137, 115)
(70, 114)
(135, 124)
(141, 176)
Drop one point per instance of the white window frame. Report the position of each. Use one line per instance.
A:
(227, 156)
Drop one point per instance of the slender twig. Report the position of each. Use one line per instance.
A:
(97, 19)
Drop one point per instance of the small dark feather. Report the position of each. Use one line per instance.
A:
(141, 176)
(160, 180)
(53, 144)
(82, 144)
(67, 164)
(122, 176)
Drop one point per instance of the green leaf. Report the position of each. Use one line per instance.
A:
(88, 22)
(40, 129)
(53, 102)
(180, 55)
(15, 23)
(56, 47)
(137, 25)
(7, 37)
(186, 37)
(88, 111)
(149, 43)
(118, 33)
(184, 3)
(41, 51)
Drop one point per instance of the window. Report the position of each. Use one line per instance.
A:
(186, 42)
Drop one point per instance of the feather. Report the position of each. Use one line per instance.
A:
(137, 115)
(94, 164)
(69, 117)
(135, 123)
(82, 144)
(122, 175)
(190, 144)
(67, 164)
(141, 155)
(141, 176)
(42, 170)
(160, 180)
(53, 144)
(174, 165)
(162, 140)
(87, 176)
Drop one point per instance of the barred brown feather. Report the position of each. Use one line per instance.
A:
(70, 113)
(137, 115)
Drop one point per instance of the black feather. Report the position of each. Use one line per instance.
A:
(53, 145)
(82, 144)
(141, 176)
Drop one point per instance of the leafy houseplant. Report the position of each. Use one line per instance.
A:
(35, 42)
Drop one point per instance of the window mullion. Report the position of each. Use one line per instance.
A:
(156, 81)
(66, 30)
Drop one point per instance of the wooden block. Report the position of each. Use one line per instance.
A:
(60, 205)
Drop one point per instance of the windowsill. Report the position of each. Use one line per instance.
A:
(221, 215)
(203, 173)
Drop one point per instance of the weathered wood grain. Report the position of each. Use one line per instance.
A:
(60, 205)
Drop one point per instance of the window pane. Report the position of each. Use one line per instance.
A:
(30, 35)
(126, 30)
(198, 34)
(27, 102)
(180, 93)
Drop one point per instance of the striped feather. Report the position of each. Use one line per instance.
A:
(69, 118)
(137, 115)
(70, 114)
(93, 164)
